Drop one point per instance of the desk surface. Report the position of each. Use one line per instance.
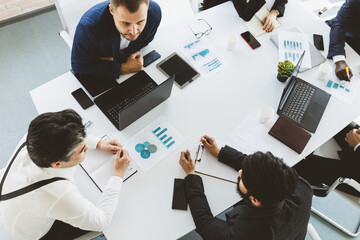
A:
(212, 106)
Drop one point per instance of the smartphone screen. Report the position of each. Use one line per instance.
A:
(179, 199)
(151, 57)
(318, 41)
(82, 98)
(250, 39)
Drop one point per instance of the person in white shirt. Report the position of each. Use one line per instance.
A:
(55, 144)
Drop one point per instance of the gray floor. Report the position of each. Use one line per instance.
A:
(32, 53)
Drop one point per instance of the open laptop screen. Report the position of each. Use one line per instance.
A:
(290, 82)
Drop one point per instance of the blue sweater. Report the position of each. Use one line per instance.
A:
(96, 36)
(345, 27)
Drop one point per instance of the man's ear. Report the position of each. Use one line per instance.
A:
(255, 202)
(111, 10)
(56, 164)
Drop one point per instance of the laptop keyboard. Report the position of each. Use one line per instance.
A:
(301, 97)
(114, 110)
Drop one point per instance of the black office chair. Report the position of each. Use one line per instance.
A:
(324, 190)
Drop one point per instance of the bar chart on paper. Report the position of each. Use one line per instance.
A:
(163, 137)
(342, 90)
(203, 55)
(153, 143)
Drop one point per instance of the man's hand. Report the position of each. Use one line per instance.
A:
(269, 21)
(134, 63)
(112, 145)
(187, 163)
(121, 162)
(353, 137)
(210, 145)
(340, 71)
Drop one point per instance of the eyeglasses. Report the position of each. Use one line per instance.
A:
(200, 34)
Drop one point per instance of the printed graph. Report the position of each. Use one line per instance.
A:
(161, 134)
(334, 85)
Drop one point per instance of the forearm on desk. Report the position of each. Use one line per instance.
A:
(247, 10)
(279, 5)
(231, 157)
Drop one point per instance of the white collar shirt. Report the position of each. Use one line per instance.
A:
(124, 43)
(30, 216)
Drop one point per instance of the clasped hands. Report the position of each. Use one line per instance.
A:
(186, 161)
(122, 158)
(353, 137)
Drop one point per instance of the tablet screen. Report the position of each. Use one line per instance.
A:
(176, 65)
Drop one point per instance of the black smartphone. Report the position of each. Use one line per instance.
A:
(82, 98)
(179, 199)
(318, 41)
(151, 57)
(250, 39)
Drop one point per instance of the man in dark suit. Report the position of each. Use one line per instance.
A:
(317, 169)
(345, 27)
(247, 10)
(110, 35)
(276, 202)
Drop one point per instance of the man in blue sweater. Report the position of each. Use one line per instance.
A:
(345, 27)
(109, 37)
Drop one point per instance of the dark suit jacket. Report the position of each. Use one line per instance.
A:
(345, 27)
(96, 36)
(284, 221)
(247, 10)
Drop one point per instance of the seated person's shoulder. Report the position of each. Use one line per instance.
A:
(303, 190)
(96, 15)
(154, 10)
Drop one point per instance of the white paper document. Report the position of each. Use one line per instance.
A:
(210, 165)
(251, 136)
(203, 56)
(255, 24)
(99, 165)
(153, 143)
(342, 90)
(292, 45)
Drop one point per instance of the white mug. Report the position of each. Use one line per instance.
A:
(232, 41)
(266, 113)
(324, 70)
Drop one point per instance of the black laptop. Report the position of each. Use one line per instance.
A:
(133, 98)
(302, 102)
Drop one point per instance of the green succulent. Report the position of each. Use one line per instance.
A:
(285, 68)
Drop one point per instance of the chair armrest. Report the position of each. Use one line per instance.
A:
(65, 35)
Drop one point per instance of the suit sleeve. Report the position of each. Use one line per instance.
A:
(247, 10)
(339, 25)
(208, 226)
(279, 5)
(84, 59)
(231, 157)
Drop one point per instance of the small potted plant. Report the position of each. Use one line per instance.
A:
(285, 70)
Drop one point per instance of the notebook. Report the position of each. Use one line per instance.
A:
(133, 98)
(99, 166)
(290, 134)
(209, 165)
(255, 24)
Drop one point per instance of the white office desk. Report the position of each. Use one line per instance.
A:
(212, 106)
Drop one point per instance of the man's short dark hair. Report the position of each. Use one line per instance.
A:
(268, 178)
(54, 136)
(131, 5)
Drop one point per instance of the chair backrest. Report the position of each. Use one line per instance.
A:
(70, 12)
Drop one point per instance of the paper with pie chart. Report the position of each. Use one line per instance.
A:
(152, 144)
